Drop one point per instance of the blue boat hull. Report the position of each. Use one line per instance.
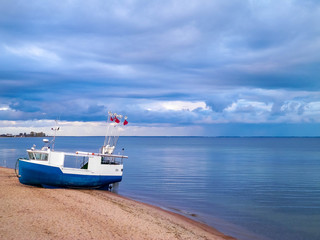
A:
(45, 175)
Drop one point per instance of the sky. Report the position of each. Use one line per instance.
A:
(175, 68)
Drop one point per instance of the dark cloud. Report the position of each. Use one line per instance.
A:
(243, 59)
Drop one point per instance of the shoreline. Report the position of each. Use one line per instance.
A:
(38, 213)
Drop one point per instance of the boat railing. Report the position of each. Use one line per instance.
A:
(78, 153)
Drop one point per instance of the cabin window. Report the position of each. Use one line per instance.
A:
(106, 160)
(39, 156)
(31, 156)
(76, 161)
(109, 160)
(44, 156)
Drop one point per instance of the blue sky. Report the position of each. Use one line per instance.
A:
(210, 68)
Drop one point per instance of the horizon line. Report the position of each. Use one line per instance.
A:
(177, 136)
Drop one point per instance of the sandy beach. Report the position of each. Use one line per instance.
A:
(37, 213)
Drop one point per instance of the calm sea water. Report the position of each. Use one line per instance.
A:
(250, 188)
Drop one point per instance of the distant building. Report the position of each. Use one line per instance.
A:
(31, 134)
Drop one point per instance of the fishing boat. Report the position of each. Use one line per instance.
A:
(49, 168)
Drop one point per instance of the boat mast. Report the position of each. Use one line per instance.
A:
(114, 135)
(110, 116)
(114, 122)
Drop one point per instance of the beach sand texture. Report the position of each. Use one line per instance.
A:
(37, 213)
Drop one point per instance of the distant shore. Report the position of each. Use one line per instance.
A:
(20, 135)
(37, 213)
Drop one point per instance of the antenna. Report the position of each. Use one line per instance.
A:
(55, 129)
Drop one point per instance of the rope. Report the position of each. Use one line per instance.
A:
(16, 167)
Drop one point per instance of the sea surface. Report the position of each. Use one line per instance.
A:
(250, 188)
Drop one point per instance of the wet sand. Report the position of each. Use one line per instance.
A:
(28, 212)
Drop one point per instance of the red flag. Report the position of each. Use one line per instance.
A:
(125, 122)
(117, 120)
